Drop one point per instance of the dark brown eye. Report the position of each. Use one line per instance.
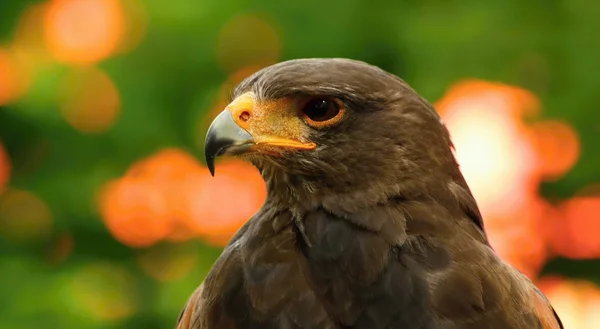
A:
(322, 111)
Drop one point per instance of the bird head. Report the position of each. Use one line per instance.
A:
(333, 129)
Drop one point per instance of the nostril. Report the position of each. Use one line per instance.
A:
(244, 116)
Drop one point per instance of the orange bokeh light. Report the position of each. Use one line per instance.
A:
(576, 301)
(135, 212)
(247, 40)
(172, 197)
(90, 101)
(225, 202)
(517, 239)
(174, 172)
(576, 234)
(483, 119)
(4, 168)
(516, 101)
(84, 31)
(165, 166)
(504, 159)
(557, 145)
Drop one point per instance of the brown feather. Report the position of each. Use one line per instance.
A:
(188, 317)
(544, 310)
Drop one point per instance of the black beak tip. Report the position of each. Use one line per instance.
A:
(210, 163)
(210, 155)
(223, 135)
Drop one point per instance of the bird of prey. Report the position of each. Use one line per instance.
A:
(368, 222)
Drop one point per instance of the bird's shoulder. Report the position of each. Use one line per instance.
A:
(208, 303)
(469, 285)
(422, 259)
(257, 282)
(478, 289)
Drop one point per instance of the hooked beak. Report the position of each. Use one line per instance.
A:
(247, 125)
(224, 136)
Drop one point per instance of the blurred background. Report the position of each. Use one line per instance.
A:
(109, 218)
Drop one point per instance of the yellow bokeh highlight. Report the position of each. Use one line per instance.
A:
(24, 217)
(28, 45)
(103, 291)
(168, 261)
(246, 40)
(14, 79)
(135, 25)
(89, 100)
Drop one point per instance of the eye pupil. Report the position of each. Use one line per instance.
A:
(321, 110)
(321, 105)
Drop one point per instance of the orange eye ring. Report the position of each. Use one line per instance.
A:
(322, 111)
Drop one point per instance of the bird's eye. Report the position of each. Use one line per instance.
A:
(321, 111)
